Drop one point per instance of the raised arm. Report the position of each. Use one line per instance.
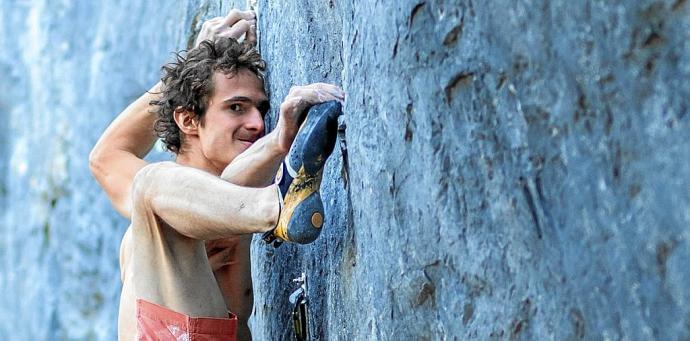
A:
(118, 155)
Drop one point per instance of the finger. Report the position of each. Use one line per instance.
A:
(208, 30)
(335, 91)
(212, 22)
(292, 107)
(237, 30)
(318, 95)
(330, 88)
(217, 26)
(320, 85)
(251, 35)
(300, 97)
(236, 15)
(220, 259)
(323, 96)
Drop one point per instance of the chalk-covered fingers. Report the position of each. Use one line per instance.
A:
(238, 23)
(207, 29)
(234, 25)
(240, 28)
(296, 103)
(250, 37)
(301, 97)
(236, 15)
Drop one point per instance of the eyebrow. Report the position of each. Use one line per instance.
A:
(263, 105)
(244, 99)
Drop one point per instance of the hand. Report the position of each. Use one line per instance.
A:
(221, 252)
(234, 25)
(295, 104)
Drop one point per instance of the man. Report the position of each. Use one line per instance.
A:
(209, 111)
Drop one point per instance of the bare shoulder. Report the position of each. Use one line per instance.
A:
(145, 172)
(145, 178)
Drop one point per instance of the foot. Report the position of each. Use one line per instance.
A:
(299, 177)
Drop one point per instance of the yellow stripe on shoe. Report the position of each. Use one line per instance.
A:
(301, 188)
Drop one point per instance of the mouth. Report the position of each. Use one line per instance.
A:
(247, 141)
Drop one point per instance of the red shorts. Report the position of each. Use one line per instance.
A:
(157, 323)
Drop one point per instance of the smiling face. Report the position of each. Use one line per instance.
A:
(234, 117)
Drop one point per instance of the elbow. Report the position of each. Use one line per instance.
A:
(95, 161)
(98, 163)
(140, 184)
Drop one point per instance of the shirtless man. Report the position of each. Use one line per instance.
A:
(185, 257)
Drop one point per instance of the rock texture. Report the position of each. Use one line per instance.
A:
(513, 170)
(68, 68)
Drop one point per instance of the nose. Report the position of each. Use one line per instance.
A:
(254, 121)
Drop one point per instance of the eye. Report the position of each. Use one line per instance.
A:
(236, 107)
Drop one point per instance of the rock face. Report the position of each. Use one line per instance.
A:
(510, 170)
(68, 68)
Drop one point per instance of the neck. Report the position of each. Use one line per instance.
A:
(194, 158)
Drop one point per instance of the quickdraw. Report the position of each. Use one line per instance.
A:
(300, 313)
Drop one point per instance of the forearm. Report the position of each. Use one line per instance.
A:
(132, 130)
(118, 154)
(201, 205)
(257, 166)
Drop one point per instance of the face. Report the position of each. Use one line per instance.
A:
(234, 117)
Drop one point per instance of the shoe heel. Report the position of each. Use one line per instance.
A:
(307, 220)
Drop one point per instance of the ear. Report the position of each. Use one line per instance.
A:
(187, 121)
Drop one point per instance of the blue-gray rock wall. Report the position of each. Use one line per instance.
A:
(68, 68)
(513, 170)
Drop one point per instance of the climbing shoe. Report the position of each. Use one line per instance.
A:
(299, 177)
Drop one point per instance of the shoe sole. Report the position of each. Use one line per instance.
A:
(302, 214)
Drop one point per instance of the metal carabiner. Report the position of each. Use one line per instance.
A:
(300, 314)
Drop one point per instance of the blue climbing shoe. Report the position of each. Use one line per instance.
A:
(299, 177)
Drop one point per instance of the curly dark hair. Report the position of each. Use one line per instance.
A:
(188, 82)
